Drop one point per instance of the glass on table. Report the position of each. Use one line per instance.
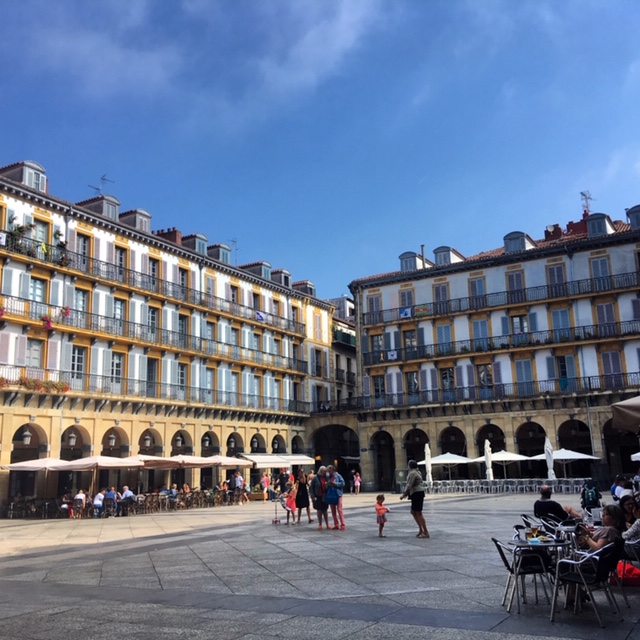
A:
(528, 533)
(534, 530)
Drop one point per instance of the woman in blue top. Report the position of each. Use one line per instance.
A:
(334, 479)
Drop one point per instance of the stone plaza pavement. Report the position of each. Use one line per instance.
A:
(230, 573)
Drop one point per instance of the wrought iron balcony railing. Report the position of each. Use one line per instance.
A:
(534, 339)
(59, 255)
(530, 295)
(498, 392)
(144, 334)
(56, 382)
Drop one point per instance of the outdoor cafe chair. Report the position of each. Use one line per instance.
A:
(519, 564)
(109, 507)
(588, 572)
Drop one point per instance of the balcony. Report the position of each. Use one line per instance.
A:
(498, 392)
(351, 378)
(105, 271)
(575, 288)
(341, 375)
(536, 339)
(345, 338)
(60, 383)
(144, 335)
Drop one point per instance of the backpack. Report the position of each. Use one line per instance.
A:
(591, 497)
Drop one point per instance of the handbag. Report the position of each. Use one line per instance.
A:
(332, 496)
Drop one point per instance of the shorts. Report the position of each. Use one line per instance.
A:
(381, 519)
(417, 500)
(319, 504)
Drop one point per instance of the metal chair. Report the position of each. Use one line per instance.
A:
(519, 564)
(589, 572)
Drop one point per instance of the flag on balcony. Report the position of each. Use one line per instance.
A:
(392, 355)
(422, 310)
(259, 316)
(405, 313)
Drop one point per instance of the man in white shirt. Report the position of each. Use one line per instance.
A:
(98, 504)
(126, 500)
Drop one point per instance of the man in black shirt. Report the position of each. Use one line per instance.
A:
(545, 506)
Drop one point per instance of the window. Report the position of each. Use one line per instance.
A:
(182, 375)
(524, 377)
(153, 318)
(117, 367)
(606, 320)
(183, 281)
(443, 257)
(484, 374)
(480, 335)
(36, 180)
(597, 226)
(477, 293)
(377, 343)
(406, 298)
(411, 383)
(40, 231)
(447, 383)
(563, 370)
(441, 297)
(110, 210)
(514, 242)
(410, 343)
(275, 304)
(154, 270)
(80, 299)
(515, 287)
(183, 330)
(34, 354)
(82, 249)
(233, 290)
(556, 280)
(373, 306)
(37, 295)
(78, 361)
(121, 263)
(378, 390)
(612, 370)
(561, 325)
(600, 274)
(443, 337)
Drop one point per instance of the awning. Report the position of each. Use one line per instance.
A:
(275, 461)
(266, 460)
(350, 458)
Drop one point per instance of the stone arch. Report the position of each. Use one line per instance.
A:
(209, 444)
(413, 443)
(181, 443)
(258, 443)
(150, 442)
(297, 444)
(619, 446)
(452, 440)
(278, 444)
(338, 445)
(115, 443)
(384, 466)
(74, 440)
(575, 435)
(529, 440)
(24, 482)
(495, 436)
(234, 444)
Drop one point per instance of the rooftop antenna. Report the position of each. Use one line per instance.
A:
(234, 242)
(586, 201)
(103, 180)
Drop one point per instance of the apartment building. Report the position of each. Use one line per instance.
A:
(118, 339)
(534, 338)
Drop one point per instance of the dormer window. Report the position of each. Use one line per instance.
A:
(443, 258)
(110, 210)
(201, 246)
(36, 180)
(225, 256)
(514, 242)
(598, 224)
(407, 264)
(266, 272)
(634, 217)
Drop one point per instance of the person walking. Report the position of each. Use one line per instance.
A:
(381, 512)
(302, 496)
(357, 482)
(414, 490)
(265, 483)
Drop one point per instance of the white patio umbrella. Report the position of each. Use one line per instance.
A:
(565, 457)
(100, 462)
(548, 455)
(504, 458)
(488, 459)
(41, 464)
(448, 460)
(636, 457)
(427, 463)
(626, 414)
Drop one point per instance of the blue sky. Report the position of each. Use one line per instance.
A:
(328, 137)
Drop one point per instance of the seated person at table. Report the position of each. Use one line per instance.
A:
(127, 499)
(98, 504)
(632, 534)
(545, 506)
(112, 496)
(613, 526)
(628, 504)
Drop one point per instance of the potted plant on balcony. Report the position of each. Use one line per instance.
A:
(1, 311)
(47, 322)
(65, 312)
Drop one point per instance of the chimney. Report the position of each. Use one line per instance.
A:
(553, 232)
(172, 235)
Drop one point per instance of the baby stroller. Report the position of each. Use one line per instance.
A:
(280, 499)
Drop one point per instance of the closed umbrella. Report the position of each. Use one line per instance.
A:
(487, 459)
(427, 463)
(548, 454)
